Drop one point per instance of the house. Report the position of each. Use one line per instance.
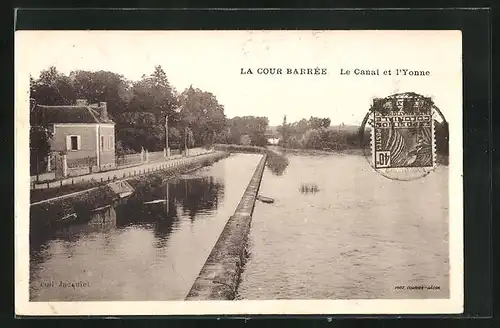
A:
(85, 133)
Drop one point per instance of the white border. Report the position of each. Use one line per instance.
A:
(380, 306)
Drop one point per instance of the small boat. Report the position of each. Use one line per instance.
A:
(125, 194)
(265, 199)
(157, 201)
(68, 218)
(101, 208)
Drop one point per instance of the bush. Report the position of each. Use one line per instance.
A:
(239, 149)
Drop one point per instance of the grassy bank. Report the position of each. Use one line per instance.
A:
(312, 152)
(240, 149)
(37, 195)
(276, 162)
(50, 213)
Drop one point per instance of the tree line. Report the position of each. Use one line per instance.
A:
(317, 133)
(139, 109)
(195, 117)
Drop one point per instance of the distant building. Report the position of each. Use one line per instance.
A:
(272, 135)
(273, 141)
(85, 133)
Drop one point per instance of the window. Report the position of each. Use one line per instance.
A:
(102, 142)
(111, 142)
(73, 143)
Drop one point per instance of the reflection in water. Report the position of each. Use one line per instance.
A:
(276, 162)
(137, 252)
(306, 188)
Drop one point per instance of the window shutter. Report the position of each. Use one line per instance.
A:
(79, 143)
(68, 142)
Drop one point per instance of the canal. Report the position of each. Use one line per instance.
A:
(136, 252)
(336, 230)
(351, 234)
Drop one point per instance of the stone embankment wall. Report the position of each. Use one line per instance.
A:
(50, 212)
(219, 277)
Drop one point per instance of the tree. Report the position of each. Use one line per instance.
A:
(245, 140)
(202, 113)
(52, 88)
(40, 135)
(103, 86)
(317, 123)
(154, 94)
(254, 127)
(311, 139)
(143, 124)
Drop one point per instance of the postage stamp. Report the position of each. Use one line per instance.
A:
(402, 133)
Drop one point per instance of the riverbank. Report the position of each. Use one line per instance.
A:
(78, 184)
(312, 152)
(78, 206)
(276, 160)
(220, 276)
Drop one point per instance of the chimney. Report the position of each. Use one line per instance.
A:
(103, 110)
(81, 102)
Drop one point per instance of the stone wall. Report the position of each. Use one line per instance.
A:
(220, 275)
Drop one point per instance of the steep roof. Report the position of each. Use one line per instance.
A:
(70, 114)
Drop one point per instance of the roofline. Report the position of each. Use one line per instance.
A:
(89, 109)
(83, 124)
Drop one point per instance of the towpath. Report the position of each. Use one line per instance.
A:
(122, 172)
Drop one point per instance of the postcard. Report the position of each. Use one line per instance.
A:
(238, 172)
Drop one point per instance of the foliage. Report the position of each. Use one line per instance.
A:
(203, 114)
(143, 122)
(239, 149)
(120, 150)
(316, 133)
(254, 127)
(139, 108)
(52, 87)
(277, 163)
(40, 135)
(245, 140)
(102, 86)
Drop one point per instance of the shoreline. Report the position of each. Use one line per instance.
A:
(349, 151)
(53, 211)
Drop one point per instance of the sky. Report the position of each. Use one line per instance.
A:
(213, 61)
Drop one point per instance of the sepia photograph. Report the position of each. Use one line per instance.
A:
(238, 172)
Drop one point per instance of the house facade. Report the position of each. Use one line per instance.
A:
(84, 133)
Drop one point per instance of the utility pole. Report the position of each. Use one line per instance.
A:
(166, 135)
(185, 141)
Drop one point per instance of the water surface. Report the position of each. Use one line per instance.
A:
(130, 252)
(359, 236)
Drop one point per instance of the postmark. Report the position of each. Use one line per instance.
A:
(402, 134)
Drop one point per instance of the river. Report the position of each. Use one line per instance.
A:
(132, 253)
(357, 237)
